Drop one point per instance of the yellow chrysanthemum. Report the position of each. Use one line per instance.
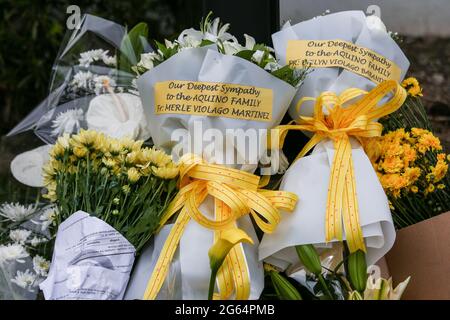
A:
(80, 151)
(392, 164)
(414, 189)
(439, 171)
(130, 144)
(412, 87)
(412, 175)
(89, 139)
(133, 175)
(165, 172)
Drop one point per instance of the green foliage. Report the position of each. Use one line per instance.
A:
(132, 46)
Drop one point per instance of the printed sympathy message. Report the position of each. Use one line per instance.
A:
(213, 99)
(343, 54)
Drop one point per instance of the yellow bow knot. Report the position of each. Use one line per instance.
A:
(235, 194)
(347, 115)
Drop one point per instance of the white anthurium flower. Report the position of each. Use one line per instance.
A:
(375, 24)
(27, 167)
(41, 266)
(16, 212)
(25, 280)
(190, 38)
(257, 56)
(13, 252)
(68, 121)
(19, 236)
(104, 116)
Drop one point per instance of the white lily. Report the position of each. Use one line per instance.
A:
(257, 56)
(147, 59)
(190, 38)
(214, 34)
(249, 42)
(231, 47)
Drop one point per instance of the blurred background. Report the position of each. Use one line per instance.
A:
(31, 32)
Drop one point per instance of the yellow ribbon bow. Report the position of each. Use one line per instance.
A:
(358, 120)
(235, 194)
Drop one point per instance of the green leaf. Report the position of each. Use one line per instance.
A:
(132, 47)
(245, 54)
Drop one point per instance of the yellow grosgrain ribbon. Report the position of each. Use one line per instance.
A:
(235, 194)
(358, 120)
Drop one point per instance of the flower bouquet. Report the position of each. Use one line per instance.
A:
(206, 83)
(120, 218)
(413, 170)
(110, 195)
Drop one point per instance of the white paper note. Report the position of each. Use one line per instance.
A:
(91, 261)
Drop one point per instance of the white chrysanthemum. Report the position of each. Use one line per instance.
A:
(67, 122)
(99, 83)
(19, 235)
(48, 218)
(86, 58)
(41, 266)
(16, 212)
(36, 241)
(25, 280)
(12, 252)
(109, 60)
(82, 80)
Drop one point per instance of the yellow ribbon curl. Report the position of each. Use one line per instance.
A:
(235, 194)
(358, 120)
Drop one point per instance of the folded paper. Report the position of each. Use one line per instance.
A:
(91, 261)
